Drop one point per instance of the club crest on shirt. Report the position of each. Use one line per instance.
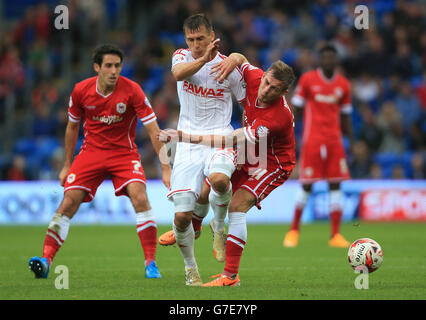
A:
(338, 92)
(121, 107)
(71, 178)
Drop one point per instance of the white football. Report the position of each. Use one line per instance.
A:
(365, 252)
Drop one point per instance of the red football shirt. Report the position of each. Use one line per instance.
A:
(276, 122)
(110, 121)
(324, 100)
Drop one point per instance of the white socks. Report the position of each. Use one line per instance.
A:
(302, 198)
(185, 241)
(60, 225)
(219, 204)
(237, 229)
(335, 199)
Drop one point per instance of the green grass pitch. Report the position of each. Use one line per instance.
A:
(106, 262)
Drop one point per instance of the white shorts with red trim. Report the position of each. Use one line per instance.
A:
(193, 163)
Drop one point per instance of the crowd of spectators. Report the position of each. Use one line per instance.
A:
(385, 64)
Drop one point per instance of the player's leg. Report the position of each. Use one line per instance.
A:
(57, 232)
(146, 226)
(311, 169)
(83, 179)
(336, 210)
(184, 203)
(201, 210)
(221, 166)
(242, 201)
(291, 239)
(337, 171)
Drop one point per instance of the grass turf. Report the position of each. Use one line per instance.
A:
(106, 262)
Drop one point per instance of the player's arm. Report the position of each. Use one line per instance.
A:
(299, 98)
(346, 125)
(345, 115)
(184, 70)
(153, 131)
(71, 136)
(226, 66)
(237, 137)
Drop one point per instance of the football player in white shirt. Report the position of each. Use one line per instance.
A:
(205, 108)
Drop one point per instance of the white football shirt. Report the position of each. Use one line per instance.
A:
(206, 104)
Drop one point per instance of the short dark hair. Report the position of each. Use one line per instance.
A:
(194, 23)
(328, 48)
(100, 51)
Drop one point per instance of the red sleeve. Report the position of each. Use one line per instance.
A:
(251, 74)
(75, 110)
(142, 106)
(346, 100)
(301, 92)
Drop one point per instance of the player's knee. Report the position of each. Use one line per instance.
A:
(219, 182)
(182, 220)
(140, 202)
(69, 205)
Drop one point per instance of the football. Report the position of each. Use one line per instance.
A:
(365, 252)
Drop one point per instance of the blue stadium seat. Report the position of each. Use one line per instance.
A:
(25, 146)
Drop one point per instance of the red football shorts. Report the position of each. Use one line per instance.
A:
(323, 161)
(90, 168)
(260, 183)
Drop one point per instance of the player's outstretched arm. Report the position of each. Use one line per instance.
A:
(237, 137)
(226, 66)
(153, 131)
(71, 136)
(184, 70)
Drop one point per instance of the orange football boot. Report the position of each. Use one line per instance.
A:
(168, 238)
(291, 239)
(223, 281)
(338, 241)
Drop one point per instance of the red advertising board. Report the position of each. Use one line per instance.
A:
(393, 205)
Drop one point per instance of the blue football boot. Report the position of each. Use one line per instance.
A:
(151, 271)
(39, 266)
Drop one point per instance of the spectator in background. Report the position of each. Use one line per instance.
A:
(376, 171)
(18, 171)
(418, 166)
(369, 132)
(360, 163)
(389, 121)
(421, 90)
(401, 62)
(407, 105)
(398, 172)
(45, 123)
(56, 161)
(366, 89)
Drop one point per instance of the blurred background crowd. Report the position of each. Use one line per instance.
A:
(39, 66)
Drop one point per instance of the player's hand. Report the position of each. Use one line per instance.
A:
(63, 174)
(168, 135)
(211, 51)
(224, 68)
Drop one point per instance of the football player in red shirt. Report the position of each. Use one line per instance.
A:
(326, 98)
(109, 105)
(268, 134)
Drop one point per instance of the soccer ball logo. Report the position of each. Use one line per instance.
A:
(365, 252)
